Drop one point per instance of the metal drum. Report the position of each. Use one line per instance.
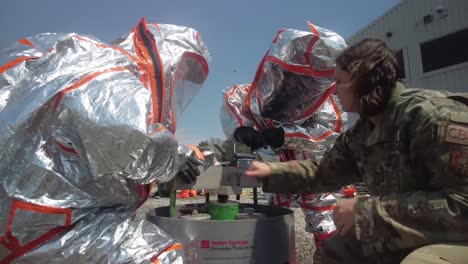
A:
(249, 213)
(263, 240)
(195, 217)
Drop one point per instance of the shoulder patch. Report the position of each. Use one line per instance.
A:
(457, 134)
(459, 162)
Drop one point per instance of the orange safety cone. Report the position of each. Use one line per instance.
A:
(193, 193)
(183, 194)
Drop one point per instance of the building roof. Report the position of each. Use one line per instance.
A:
(378, 19)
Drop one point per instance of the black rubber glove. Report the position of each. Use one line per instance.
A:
(273, 137)
(189, 171)
(249, 137)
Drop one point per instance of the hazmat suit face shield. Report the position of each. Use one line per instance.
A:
(189, 77)
(176, 61)
(288, 96)
(296, 75)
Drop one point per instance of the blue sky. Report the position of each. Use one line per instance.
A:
(237, 33)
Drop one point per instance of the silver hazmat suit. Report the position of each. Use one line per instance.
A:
(293, 89)
(84, 128)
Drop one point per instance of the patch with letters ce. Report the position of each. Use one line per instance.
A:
(459, 162)
(456, 134)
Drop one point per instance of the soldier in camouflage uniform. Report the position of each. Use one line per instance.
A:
(411, 149)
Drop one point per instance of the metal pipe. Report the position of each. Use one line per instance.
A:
(255, 198)
(172, 204)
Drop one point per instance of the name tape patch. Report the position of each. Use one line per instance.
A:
(456, 134)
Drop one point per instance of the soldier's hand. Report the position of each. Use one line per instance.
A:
(343, 216)
(258, 169)
(189, 171)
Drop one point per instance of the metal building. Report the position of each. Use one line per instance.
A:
(431, 41)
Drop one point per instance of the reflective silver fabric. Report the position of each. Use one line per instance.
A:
(232, 113)
(84, 127)
(293, 89)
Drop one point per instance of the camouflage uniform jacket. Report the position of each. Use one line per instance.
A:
(415, 165)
